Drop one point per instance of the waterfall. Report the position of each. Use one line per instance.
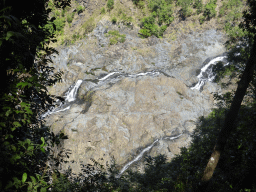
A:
(70, 96)
(136, 158)
(206, 73)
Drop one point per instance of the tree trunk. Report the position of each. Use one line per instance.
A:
(230, 118)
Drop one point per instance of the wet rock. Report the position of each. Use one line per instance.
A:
(123, 114)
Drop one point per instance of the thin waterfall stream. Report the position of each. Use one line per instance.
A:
(206, 73)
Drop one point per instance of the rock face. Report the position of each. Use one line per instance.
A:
(139, 92)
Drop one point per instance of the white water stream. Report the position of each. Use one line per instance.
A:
(70, 96)
(140, 155)
(206, 73)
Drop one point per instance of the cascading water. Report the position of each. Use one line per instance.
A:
(70, 96)
(138, 157)
(206, 73)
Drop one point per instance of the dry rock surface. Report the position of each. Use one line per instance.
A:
(132, 94)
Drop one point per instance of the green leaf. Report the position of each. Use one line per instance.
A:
(16, 124)
(33, 179)
(24, 177)
(9, 35)
(42, 139)
(23, 104)
(22, 84)
(43, 189)
(30, 148)
(29, 111)
(43, 150)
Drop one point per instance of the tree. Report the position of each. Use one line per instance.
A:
(247, 76)
(24, 54)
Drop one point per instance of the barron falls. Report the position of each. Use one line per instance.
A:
(142, 96)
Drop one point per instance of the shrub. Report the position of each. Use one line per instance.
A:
(70, 17)
(59, 23)
(185, 7)
(80, 9)
(139, 3)
(102, 11)
(114, 20)
(161, 13)
(199, 6)
(210, 11)
(115, 37)
(201, 19)
(63, 12)
(110, 5)
(88, 26)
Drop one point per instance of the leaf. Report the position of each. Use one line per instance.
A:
(43, 189)
(23, 104)
(24, 177)
(30, 148)
(33, 179)
(16, 124)
(42, 139)
(9, 35)
(22, 84)
(43, 150)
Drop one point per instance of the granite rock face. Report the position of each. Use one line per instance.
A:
(132, 93)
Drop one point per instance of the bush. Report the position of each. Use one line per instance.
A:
(80, 9)
(70, 17)
(185, 7)
(114, 20)
(110, 5)
(115, 37)
(149, 28)
(59, 23)
(209, 10)
(88, 26)
(102, 11)
(161, 14)
(199, 6)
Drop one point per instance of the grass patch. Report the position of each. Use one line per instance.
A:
(115, 37)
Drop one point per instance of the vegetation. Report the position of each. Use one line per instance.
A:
(115, 37)
(157, 22)
(26, 156)
(80, 9)
(25, 143)
(110, 5)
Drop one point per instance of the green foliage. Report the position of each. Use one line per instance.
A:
(59, 23)
(115, 37)
(102, 11)
(186, 11)
(70, 17)
(80, 9)
(161, 14)
(198, 5)
(88, 26)
(125, 20)
(110, 5)
(114, 20)
(139, 3)
(149, 28)
(209, 9)
(24, 52)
